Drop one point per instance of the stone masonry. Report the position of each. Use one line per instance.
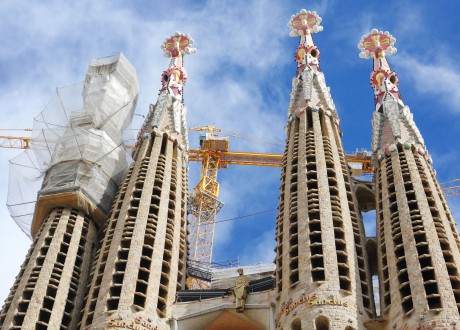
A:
(142, 258)
(419, 258)
(49, 290)
(322, 274)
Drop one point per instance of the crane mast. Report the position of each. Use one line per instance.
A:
(203, 205)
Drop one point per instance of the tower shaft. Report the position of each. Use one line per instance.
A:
(49, 290)
(417, 239)
(141, 261)
(320, 254)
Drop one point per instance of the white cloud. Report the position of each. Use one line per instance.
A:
(433, 79)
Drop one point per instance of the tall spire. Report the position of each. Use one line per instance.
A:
(320, 235)
(392, 120)
(417, 241)
(142, 259)
(169, 113)
(309, 86)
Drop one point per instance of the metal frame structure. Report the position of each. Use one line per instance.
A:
(14, 142)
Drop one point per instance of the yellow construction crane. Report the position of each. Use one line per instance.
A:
(15, 142)
(451, 188)
(203, 199)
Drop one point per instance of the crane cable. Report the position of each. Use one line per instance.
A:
(237, 218)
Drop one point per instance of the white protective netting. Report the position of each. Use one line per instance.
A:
(77, 141)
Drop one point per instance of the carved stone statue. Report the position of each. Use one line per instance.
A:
(239, 291)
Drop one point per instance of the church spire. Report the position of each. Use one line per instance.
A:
(392, 121)
(319, 229)
(169, 113)
(417, 241)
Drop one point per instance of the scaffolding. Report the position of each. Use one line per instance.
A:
(76, 145)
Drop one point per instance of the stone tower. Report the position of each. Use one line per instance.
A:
(77, 191)
(142, 256)
(322, 276)
(418, 244)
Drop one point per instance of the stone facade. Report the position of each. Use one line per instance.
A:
(417, 238)
(320, 243)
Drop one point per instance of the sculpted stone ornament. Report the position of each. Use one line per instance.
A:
(309, 85)
(239, 291)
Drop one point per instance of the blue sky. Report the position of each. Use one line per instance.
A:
(239, 80)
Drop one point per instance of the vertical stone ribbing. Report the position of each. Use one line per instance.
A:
(445, 229)
(183, 248)
(13, 291)
(314, 222)
(385, 297)
(49, 292)
(363, 280)
(419, 258)
(320, 238)
(338, 214)
(292, 208)
(280, 225)
(102, 253)
(141, 262)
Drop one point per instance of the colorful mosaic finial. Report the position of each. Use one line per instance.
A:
(304, 23)
(393, 121)
(169, 113)
(309, 87)
(376, 44)
(178, 44)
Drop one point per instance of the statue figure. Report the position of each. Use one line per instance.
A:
(239, 291)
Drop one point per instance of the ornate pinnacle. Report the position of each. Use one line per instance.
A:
(170, 99)
(304, 23)
(175, 47)
(178, 45)
(392, 118)
(376, 44)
